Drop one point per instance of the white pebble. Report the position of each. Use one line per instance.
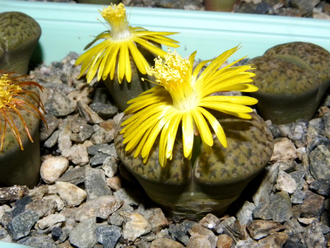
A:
(71, 194)
(52, 168)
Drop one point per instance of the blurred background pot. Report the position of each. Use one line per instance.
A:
(19, 34)
(220, 5)
(215, 180)
(292, 79)
(104, 2)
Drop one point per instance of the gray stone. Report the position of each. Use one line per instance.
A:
(84, 234)
(104, 133)
(38, 242)
(179, 232)
(116, 219)
(321, 186)
(298, 133)
(292, 244)
(110, 166)
(312, 206)
(74, 175)
(52, 140)
(278, 208)
(88, 114)
(131, 196)
(52, 125)
(104, 110)
(20, 226)
(80, 130)
(77, 153)
(108, 236)
(58, 104)
(95, 183)
(245, 213)
(266, 186)
(298, 197)
(98, 159)
(42, 207)
(95, 149)
(21, 204)
(313, 236)
(320, 162)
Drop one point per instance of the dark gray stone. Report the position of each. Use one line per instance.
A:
(58, 104)
(312, 206)
(179, 232)
(321, 186)
(75, 176)
(52, 125)
(95, 184)
(95, 149)
(313, 236)
(108, 236)
(38, 242)
(20, 205)
(278, 208)
(292, 244)
(22, 223)
(320, 162)
(104, 110)
(98, 159)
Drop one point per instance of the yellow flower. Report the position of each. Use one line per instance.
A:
(184, 95)
(120, 41)
(14, 97)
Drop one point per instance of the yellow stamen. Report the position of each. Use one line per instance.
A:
(115, 15)
(173, 75)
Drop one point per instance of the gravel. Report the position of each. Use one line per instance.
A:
(86, 200)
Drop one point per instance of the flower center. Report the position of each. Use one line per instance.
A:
(7, 89)
(115, 15)
(173, 75)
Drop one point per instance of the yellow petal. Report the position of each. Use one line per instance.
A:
(140, 62)
(245, 100)
(187, 134)
(203, 128)
(217, 128)
(150, 47)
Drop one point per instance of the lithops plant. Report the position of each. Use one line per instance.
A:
(122, 57)
(292, 79)
(211, 183)
(19, 130)
(19, 34)
(187, 156)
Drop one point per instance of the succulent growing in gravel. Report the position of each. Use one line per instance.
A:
(15, 96)
(185, 96)
(120, 43)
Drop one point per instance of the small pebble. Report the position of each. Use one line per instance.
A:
(52, 168)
